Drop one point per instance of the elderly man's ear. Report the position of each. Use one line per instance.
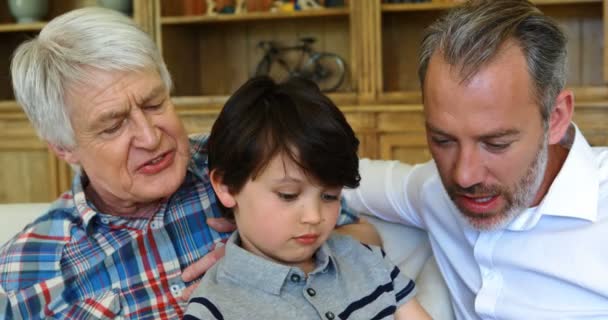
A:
(65, 154)
(561, 116)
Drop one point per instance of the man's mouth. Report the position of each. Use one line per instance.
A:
(478, 204)
(158, 163)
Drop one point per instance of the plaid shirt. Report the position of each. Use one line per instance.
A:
(76, 263)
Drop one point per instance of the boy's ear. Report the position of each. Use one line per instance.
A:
(221, 190)
(65, 154)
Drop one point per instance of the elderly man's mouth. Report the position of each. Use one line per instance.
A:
(158, 164)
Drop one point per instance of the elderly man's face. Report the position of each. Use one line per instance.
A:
(486, 137)
(129, 139)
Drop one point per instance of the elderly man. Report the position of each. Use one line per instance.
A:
(515, 200)
(96, 89)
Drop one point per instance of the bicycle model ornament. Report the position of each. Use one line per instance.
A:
(324, 68)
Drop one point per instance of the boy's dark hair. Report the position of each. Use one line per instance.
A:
(263, 119)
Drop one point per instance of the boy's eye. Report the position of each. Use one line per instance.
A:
(287, 196)
(330, 197)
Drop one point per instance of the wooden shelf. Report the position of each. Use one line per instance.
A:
(430, 6)
(214, 103)
(253, 16)
(20, 27)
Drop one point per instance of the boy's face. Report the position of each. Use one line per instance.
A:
(282, 215)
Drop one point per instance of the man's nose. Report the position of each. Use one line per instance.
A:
(469, 168)
(147, 135)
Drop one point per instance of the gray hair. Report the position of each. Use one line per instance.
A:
(469, 36)
(65, 53)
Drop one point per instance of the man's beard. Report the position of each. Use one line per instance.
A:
(516, 201)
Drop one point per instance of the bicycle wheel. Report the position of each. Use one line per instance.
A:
(272, 68)
(326, 70)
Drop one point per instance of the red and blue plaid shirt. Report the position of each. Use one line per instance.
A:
(76, 263)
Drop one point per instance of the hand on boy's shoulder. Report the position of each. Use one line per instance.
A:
(362, 231)
(197, 269)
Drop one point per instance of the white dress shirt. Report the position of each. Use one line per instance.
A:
(551, 262)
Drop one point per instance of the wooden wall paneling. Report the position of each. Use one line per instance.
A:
(592, 51)
(405, 147)
(181, 54)
(401, 36)
(144, 13)
(235, 58)
(213, 52)
(5, 15)
(401, 119)
(376, 49)
(355, 42)
(592, 119)
(197, 122)
(364, 125)
(26, 175)
(58, 7)
(605, 30)
(571, 27)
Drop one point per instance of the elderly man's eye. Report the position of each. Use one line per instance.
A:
(114, 128)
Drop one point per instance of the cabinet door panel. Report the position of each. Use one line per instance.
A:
(406, 147)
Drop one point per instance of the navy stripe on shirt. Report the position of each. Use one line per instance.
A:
(366, 300)
(403, 293)
(388, 311)
(207, 304)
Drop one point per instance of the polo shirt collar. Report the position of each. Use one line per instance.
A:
(246, 268)
(574, 192)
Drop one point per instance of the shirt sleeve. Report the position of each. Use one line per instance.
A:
(403, 287)
(387, 190)
(202, 308)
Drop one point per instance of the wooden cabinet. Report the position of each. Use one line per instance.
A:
(210, 56)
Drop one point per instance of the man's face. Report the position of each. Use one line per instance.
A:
(486, 137)
(129, 140)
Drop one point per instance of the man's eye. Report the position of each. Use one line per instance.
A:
(114, 128)
(497, 146)
(440, 141)
(287, 196)
(153, 107)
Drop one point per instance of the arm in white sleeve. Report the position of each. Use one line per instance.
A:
(384, 191)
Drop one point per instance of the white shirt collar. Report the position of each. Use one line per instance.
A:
(574, 192)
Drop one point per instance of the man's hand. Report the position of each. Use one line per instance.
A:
(198, 268)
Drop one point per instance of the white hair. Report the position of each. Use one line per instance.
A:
(65, 53)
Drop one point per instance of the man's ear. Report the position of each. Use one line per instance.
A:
(561, 116)
(221, 190)
(65, 154)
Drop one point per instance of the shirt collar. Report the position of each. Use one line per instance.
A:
(84, 210)
(574, 192)
(246, 268)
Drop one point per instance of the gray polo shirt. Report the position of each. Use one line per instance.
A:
(350, 281)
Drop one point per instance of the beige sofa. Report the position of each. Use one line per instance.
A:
(409, 248)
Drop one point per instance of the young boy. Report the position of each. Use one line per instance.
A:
(279, 156)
